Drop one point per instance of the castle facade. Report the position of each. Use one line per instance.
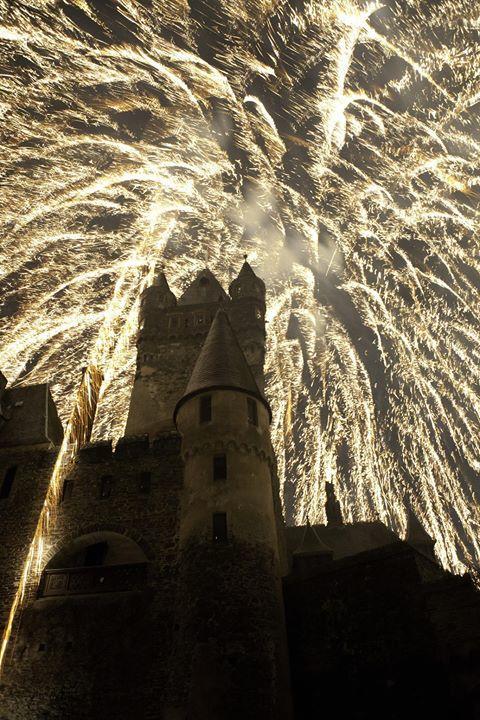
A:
(171, 588)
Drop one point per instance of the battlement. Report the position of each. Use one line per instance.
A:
(129, 447)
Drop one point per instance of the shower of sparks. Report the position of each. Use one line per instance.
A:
(77, 433)
(344, 136)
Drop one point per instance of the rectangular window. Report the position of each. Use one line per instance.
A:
(219, 527)
(220, 467)
(106, 484)
(95, 554)
(66, 490)
(205, 408)
(7, 483)
(145, 482)
(252, 411)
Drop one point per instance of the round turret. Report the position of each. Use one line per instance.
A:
(224, 422)
(247, 284)
(154, 300)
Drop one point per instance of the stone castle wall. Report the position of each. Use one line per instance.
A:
(104, 654)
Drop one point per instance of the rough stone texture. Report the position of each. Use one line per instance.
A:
(369, 636)
(32, 417)
(104, 655)
(169, 341)
(19, 513)
(228, 660)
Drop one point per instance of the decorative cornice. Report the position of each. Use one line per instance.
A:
(208, 447)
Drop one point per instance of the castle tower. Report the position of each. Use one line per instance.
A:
(169, 339)
(247, 315)
(230, 659)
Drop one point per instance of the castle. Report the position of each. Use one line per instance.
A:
(171, 588)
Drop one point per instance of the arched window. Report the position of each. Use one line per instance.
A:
(100, 562)
(7, 483)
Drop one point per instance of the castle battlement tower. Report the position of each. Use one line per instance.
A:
(171, 333)
(169, 584)
(229, 547)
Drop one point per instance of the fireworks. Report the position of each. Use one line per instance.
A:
(344, 138)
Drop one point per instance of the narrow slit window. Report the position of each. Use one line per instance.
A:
(219, 527)
(145, 482)
(7, 483)
(252, 411)
(66, 490)
(205, 408)
(106, 484)
(220, 467)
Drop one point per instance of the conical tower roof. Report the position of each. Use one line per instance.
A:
(161, 289)
(416, 535)
(246, 274)
(221, 365)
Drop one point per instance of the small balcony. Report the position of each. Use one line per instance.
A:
(93, 580)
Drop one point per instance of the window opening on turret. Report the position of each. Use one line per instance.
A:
(219, 526)
(220, 467)
(145, 482)
(7, 483)
(205, 408)
(106, 484)
(67, 489)
(252, 411)
(199, 319)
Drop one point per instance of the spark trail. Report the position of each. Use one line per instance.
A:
(344, 136)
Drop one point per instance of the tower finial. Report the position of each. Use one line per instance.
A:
(245, 256)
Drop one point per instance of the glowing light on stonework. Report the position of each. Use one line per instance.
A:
(76, 434)
(344, 137)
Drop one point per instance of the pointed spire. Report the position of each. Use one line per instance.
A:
(160, 290)
(417, 536)
(247, 283)
(332, 506)
(311, 544)
(160, 279)
(221, 365)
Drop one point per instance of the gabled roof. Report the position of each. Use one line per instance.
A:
(204, 289)
(311, 544)
(221, 364)
(345, 540)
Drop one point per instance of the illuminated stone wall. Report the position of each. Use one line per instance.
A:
(105, 654)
